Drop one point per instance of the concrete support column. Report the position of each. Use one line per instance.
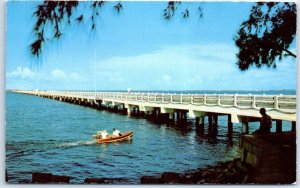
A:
(99, 107)
(157, 115)
(171, 116)
(202, 121)
(278, 126)
(90, 103)
(230, 128)
(245, 127)
(158, 112)
(128, 111)
(136, 110)
(200, 125)
(197, 121)
(95, 105)
(230, 131)
(229, 121)
(183, 116)
(293, 126)
(215, 120)
(209, 120)
(177, 116)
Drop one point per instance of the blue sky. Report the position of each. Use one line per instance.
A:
(140, 50)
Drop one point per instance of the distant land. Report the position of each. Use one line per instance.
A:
(266, 92)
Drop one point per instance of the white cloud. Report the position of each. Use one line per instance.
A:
(203, 66)
(75, 76)
(22, 72)
(164, 80)
(23, 77)
(58, 74)
(180, 67)
(171, 67)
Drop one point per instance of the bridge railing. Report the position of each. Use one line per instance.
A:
(283, 103)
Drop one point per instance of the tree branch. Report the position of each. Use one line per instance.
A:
(290, 53)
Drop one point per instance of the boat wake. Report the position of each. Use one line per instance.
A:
(78, 143)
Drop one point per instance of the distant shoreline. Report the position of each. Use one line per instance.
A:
(267, 92)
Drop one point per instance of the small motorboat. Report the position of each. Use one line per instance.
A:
(112, 138)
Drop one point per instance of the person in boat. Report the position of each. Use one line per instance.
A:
(116, 132)
(265, 122)
(102, 134)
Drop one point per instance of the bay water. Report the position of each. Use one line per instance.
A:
(44, 135)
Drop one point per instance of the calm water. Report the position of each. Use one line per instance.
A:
(44, 135)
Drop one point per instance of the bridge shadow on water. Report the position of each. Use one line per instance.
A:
(210, 134)
(202, 134)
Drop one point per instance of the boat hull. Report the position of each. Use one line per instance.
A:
(125, 136)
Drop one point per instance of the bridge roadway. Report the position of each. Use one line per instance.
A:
(239, 108)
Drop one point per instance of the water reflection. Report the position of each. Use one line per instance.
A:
(183, 128)
(212, 135)
(209, 133)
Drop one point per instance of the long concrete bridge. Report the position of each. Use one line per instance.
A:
(238, 108)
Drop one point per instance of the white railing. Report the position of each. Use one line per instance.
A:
(282, 103)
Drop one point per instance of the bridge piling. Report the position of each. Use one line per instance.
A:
(215, 119)
(293, 126)
(128, 111)
(197, 121)
(171, 116)
(184, 116)
(229, 122)
(202, 121)
(245, 127)
(278, 126)
(209, 120)
(157, 115)
(181, 116)
(177, 116)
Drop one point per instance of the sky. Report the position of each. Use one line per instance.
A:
(138, 49)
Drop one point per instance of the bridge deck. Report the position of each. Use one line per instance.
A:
(242, 108)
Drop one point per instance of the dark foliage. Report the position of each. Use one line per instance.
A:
(57, 14)
(54, 13)
(170, 10)
(173, 6)
(266, 35)
(118, 7)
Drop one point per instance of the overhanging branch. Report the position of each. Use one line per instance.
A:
(290, 53)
